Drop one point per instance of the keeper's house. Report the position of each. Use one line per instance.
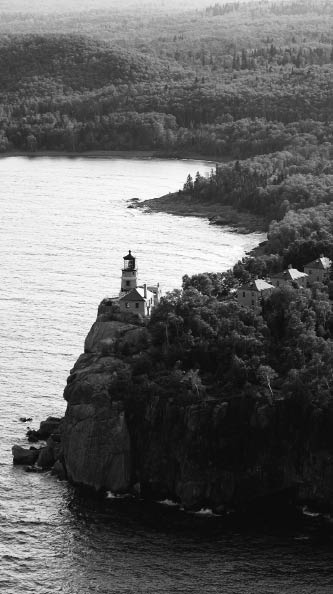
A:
(318, 271)
(289, 276)
(251, 293)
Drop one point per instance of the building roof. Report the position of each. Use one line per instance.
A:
(258, 285)
(291, 274)
(321, 263)
(133, 295)
(137, 294)
(129, 256)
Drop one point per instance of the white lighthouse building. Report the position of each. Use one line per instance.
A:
(139, 299)
(129, 275)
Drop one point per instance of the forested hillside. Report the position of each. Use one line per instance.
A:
(229, 81)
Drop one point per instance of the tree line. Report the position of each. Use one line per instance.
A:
(222, 86)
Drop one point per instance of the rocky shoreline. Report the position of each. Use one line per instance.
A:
(43, 457)
(181, 204)
(120, 434)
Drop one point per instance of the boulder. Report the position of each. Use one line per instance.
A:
(24, 455)
(33, 436)
(50, 453)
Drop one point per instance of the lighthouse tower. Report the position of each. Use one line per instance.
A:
(129, 274)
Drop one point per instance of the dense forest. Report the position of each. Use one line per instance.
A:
(230, 80)
(210, 345)
(202, 346)
(206, 345)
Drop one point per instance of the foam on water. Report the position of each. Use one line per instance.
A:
(169, 503)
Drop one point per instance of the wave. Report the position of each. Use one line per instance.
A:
(169, 503)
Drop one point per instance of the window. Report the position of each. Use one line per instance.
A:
(136, 306)
(127, 283)
(252, 302)
(127, 305)
(243, 293)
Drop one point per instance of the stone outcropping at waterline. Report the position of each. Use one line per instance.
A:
(43, 456)
(123, 430)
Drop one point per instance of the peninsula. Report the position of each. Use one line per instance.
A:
(208, 400)
(221, 394)
(182, 204)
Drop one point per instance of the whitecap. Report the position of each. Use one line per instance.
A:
(205, 511)
(307, 512)
(169, 503)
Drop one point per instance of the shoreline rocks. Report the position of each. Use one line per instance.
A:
(45, 457)
(46, 428)
(24, 456)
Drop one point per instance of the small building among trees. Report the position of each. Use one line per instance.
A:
(318, 270)
(289, 276)
(251, 293)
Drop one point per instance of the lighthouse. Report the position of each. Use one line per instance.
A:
(129, 275)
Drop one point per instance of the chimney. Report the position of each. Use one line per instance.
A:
(145, 291)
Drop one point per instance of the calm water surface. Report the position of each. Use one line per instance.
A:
(64, 229)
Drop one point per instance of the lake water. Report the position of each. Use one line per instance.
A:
(65, 227)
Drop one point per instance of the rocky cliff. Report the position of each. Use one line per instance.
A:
(127, 429)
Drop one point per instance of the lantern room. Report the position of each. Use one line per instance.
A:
(129, 261)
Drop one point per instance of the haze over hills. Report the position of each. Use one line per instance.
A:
(49, 6)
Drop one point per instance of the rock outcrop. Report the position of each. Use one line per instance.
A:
(96, 441)
(46, 428)
(46, 456)
(119, 432)
(24, 456)
(123, 430)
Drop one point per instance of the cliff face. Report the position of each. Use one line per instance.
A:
(232, 453)
(96, 442)
(119, 431)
